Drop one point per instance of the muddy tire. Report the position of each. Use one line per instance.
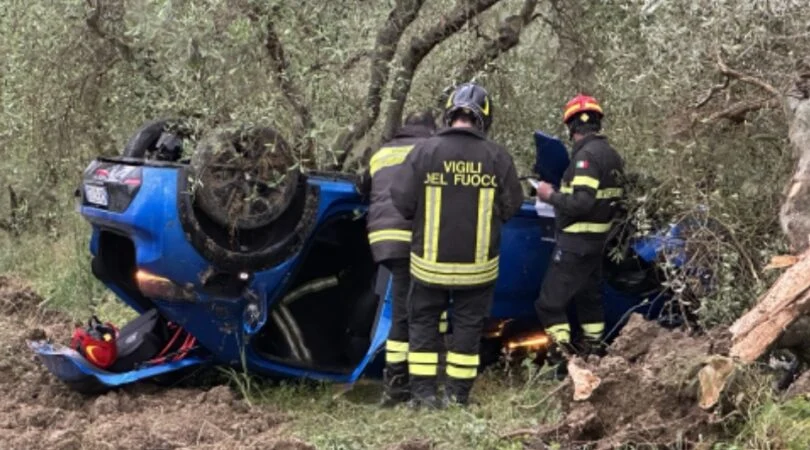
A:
(244, 178)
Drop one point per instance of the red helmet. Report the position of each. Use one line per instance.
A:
(579, 104)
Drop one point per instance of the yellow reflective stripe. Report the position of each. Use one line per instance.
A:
(396, 346)
(395, 357)
(588, 227)
(433, 211)
(593, 329)
(454, 279)
(609, 193)
(443, 322)
(486, 197)
(387, 157)
(389, 235)
(463, 373)
(423, 358)
(453, 268)
(463, 359)
(589, 106)
(560, 333)
(583, 180)
(566, 189)
(423, 370)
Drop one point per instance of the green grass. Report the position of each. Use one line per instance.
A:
(57, 265)
(330, 418)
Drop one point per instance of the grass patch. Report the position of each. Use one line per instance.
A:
(327, 417)
(58, 267)
(776, 425)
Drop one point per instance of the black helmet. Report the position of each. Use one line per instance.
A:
(470, 99)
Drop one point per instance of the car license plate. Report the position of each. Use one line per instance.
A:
(96, 195)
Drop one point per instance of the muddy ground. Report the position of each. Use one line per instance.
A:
(37, 412)
(648, 395)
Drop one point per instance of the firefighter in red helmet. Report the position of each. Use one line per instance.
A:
(584, 207)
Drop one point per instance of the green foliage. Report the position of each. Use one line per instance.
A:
(78, 80)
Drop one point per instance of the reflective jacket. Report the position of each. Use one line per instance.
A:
(589, 194)
(389, 234)
(458, 187)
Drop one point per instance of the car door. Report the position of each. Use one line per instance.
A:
(527, 239)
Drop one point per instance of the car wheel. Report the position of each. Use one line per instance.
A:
(158, 139)
(244, 178)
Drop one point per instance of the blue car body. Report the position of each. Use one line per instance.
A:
(225, 325)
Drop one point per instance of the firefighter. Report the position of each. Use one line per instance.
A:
(458, 188)
(389, 235)
(584, 207)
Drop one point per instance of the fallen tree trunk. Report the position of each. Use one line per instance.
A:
(786, 301)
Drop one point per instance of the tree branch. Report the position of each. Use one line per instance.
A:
(737, 111)
(279, 64)
(420, 47)
(725, 70)
(508, 37)
(125, 51)
(388, 37)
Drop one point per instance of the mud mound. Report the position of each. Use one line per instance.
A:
(648, 392)
(39, 412)
(16, 297)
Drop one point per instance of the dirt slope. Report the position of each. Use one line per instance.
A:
(37, 412)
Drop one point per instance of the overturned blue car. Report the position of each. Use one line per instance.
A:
(236, 257)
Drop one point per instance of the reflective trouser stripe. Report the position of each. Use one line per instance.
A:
(387, 157)
(463, 359)
(389, 235)
(484, 225)
(593, 330)
(423, 370)
(588, 227)
(560, 333)
(423, 357)
(433, 212)
(396, 351)
(462, 366)
(443, 322)
(423, 363)
(463, 373)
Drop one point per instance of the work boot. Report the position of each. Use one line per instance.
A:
(424, 394)
(395, 385)
(557, 359)
(592, 346)
(458, 391)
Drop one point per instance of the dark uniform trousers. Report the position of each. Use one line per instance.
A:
(396, 347)
(572, 276)
(396, 355)
(469, 311)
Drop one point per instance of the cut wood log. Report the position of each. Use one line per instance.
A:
(713, 378)
(584, 380)
(786, 301)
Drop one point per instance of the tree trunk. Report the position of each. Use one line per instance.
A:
(794, 216)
